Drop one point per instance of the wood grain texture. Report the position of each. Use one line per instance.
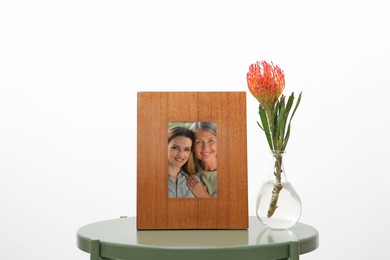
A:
(182, 213)
(151, 164)
(230, 209)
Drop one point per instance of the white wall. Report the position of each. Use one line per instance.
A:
(70, 71)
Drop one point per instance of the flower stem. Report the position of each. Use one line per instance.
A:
(277, 186)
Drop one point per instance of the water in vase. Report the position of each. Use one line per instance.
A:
(288, 210)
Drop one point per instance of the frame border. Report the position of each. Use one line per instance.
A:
(154, 210)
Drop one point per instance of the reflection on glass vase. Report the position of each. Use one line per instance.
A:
(278, 206)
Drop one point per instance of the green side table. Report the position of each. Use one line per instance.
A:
(119, 239)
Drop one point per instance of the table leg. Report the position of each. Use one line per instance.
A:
(95, 250)
(294, 250)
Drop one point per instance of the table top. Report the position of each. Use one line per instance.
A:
(119, 238)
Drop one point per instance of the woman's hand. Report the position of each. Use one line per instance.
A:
(197, 188)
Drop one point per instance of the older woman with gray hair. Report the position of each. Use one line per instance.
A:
(205, 153)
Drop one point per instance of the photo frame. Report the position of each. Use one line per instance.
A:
(229, 210)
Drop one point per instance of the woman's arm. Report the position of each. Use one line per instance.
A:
(197, 188)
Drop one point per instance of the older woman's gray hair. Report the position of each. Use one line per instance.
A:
(206, 126)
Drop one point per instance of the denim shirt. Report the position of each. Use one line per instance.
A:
(180, 188)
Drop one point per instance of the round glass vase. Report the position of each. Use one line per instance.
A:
(278, 205)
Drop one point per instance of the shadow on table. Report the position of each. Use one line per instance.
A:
(194, 238)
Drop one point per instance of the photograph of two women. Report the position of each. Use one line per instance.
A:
(192, 160)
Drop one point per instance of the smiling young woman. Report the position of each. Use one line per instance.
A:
(180, 162)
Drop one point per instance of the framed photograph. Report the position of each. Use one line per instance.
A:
(192, 160)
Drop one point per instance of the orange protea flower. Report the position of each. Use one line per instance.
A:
(266, 83)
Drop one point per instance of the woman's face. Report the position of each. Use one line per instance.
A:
(179, 150)
(205, 147)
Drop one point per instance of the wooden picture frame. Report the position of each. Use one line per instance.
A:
(229, 210)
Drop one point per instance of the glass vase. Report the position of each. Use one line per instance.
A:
(278, 205)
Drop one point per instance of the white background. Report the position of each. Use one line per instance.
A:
(69, 76)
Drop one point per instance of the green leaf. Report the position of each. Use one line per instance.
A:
(289, 123)
(274, 119)
(274, 125)
(289, 103)
(286, 137)
(260, 126)
(265, 127)
(282, 124)
(296, 105)
(282, 118)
